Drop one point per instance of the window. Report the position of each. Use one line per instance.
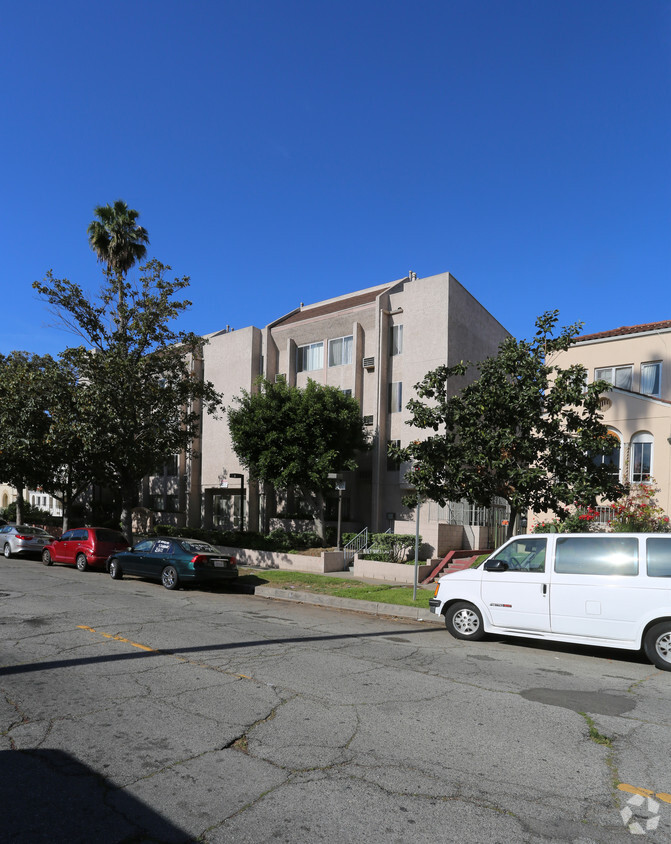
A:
(610, 555)
(309, 358)
(612, 460)
(332, 509)
(651, 378)
(640, 458)
(172, 503)
(347, 393)
(618, 376)
(526, 555)
(395, 339)
(172, 465)
(340, 351)
(658, 556)
(156, 502)
(392, 462)
(395, 397)
(144, 545)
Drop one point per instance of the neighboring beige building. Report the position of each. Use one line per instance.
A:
(375, 344)
(636, 360)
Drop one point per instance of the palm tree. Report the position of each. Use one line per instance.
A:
(116, 238)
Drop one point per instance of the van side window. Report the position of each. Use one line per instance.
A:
(524, 555)
(658, 556)
(610, 555)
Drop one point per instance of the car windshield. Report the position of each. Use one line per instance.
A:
(198, 546)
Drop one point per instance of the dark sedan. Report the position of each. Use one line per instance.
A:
(173, 561)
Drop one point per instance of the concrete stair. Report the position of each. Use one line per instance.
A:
(454, 561)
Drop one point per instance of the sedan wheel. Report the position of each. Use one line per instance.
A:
(46, 558)
(81, 563)
(115, 570)
(169, 577)
(7, 551)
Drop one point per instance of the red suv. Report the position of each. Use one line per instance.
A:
(84, 547)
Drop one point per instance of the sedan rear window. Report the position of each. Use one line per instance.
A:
(198, 547)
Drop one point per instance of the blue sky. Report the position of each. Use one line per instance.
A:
(295, 150)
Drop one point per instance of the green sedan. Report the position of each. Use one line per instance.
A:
(173, 560)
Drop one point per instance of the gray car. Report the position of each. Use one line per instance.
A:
(23, 539)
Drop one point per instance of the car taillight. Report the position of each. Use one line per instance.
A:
(27, 538)
(198, 560)
(233, 561)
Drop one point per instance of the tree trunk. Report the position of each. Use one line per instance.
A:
(512, 524)
(19, 503)
(127, 504)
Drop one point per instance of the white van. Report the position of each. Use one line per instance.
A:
(607, 589)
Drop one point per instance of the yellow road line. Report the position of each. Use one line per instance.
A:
(117, 638)
(645, 792)
(142, 647)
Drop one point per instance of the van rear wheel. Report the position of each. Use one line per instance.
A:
(657, 645)
(463, 620)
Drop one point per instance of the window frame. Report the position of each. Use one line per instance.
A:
(613, 377)
(344, 347)
(658, 365)
(641, 438)
(395, 340)
(303, 360)
(395, 397)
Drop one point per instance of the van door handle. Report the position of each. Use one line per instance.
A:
(545, 589)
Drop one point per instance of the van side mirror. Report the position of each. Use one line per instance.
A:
(496, 565)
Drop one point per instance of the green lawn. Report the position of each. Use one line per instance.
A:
(325, 585)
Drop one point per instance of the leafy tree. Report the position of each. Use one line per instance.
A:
(291, 437)
(140, 400)
(116, 238)
(525, 430)
(25, 384)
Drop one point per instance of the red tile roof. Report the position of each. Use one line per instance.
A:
(627, 329)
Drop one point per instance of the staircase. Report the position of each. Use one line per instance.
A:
(454, 561)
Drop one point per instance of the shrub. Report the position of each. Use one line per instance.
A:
(638, 512)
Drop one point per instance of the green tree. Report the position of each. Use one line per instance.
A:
(525, 430)
(116, 238)
(290, 437)
(25, 388)
(141, 397)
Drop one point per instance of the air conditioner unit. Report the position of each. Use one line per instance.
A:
(368, 421)
(369, 363)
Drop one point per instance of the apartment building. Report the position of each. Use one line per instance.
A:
(375, 345)
(636, 360)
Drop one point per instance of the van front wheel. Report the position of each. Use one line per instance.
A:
(464, 621)
(657, 645)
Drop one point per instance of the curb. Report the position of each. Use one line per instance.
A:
(369, 607)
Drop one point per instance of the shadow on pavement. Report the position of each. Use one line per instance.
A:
(48, 795)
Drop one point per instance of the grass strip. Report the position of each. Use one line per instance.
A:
(322, 584)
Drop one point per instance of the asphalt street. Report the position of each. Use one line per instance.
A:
(132, 714)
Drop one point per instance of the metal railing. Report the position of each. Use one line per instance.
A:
(359, 543)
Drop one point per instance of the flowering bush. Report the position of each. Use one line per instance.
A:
(579, 521)
(638, 512)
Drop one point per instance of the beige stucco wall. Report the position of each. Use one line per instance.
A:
(627, 413)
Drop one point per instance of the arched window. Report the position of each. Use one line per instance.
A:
(612, 460)
(640, 457)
